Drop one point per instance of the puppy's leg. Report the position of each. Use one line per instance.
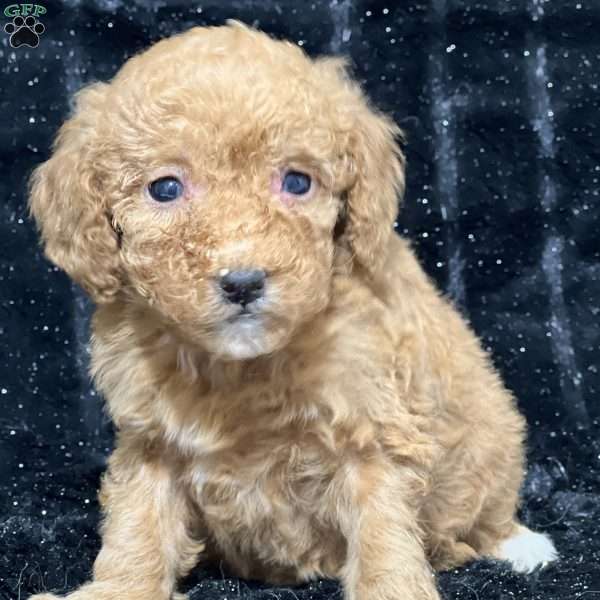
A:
(145, 539)
(385, 557)
(497, 534)
(526, 550)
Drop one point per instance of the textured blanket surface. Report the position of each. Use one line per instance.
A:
(499, 100)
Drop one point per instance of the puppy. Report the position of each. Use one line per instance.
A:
(290, 392)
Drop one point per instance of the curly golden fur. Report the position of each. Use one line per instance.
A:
(349, 425)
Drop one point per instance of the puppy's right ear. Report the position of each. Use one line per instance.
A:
(66, 201)
(372, 171)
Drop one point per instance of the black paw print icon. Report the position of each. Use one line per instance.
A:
(24, 32)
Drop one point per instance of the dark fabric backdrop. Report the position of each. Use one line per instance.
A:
(499, 101)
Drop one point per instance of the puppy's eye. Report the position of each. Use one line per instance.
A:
(166, 189)
(295, 182)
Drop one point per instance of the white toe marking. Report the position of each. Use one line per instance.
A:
(526, 550)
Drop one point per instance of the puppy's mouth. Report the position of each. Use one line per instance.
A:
(243, 334)
(248, 313)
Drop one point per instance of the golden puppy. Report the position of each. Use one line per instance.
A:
(290, 391)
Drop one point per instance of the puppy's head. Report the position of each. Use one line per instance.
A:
(214, 180)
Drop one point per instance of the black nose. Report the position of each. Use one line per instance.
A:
(243, 287)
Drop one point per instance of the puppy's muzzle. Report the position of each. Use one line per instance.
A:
(243, 287)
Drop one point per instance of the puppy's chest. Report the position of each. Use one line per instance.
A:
(270, 500)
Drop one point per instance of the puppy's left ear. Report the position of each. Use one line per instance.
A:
(373, 197)
(67, 201)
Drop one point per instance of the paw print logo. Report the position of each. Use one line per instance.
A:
(24, 32)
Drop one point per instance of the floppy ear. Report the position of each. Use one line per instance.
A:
(373, 198)
(66, 201)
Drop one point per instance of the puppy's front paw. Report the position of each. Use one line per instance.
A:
(74, 596)
(108, 591)
(98, 591)
(79, 595)
(396, 588)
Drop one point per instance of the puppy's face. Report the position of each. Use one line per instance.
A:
(211, 180)
(227, 217)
